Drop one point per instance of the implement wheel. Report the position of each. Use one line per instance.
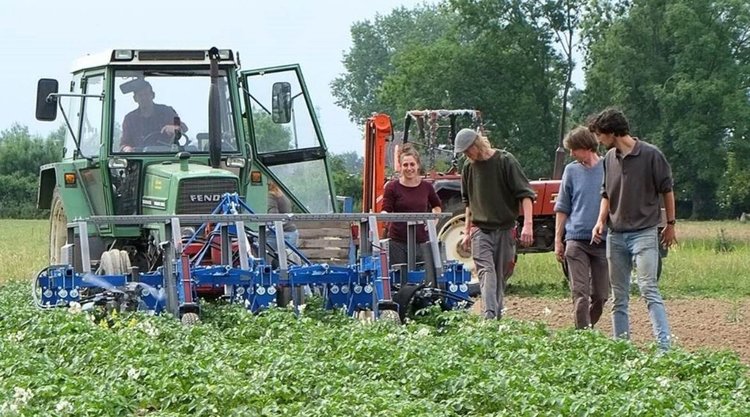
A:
(189, 319)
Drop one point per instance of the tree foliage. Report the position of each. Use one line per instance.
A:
(497, 56)
(346, 169)
(679, 70)
(270, 136)
(21, 155)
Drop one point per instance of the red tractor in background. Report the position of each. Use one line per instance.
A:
(433, 132)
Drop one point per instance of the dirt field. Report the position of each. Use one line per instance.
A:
(696, 323)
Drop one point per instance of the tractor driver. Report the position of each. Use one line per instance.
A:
(151, 123)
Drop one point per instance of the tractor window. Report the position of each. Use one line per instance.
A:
(286, 138)
(91, 122)
(296, 131)
(164, 111)
(307, 182)
(74, 114)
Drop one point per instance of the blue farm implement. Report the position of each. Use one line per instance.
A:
(249, 271)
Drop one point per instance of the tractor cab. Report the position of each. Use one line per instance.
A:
(163, 132)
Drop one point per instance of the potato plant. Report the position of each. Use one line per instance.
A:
(66, 363)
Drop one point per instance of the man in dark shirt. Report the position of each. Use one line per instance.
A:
(636, 176)
(151, 123)
(492, 186)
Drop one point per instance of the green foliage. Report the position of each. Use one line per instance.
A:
(270, 136)
(376, 43)
(691, 269)
(679, 70)
(324, 364)
(497, 56)
(21, 155)
(18, 196)
(347, 177)
(734, 192)
(723, 244)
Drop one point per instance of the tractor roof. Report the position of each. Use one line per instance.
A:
(141, 57)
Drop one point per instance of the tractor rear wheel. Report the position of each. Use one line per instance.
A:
(452, 235)
(58, 228)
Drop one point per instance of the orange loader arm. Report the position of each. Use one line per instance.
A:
(378, 131)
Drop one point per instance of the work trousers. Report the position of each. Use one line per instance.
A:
(589, 280)
(494, 253)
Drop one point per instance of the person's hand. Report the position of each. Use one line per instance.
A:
(169, 129)
(596, 233)
(559, 250)
(668, 236)
(126, 148)
(466, 240)
(527, 234)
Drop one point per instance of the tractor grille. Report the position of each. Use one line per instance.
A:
(202, 195)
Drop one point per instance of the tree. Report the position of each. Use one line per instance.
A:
(678, 68)
(347, 182)
(21, 155)
(564, 19)
(352, 162)
(375, 44)
(270, 136)
(496, 56)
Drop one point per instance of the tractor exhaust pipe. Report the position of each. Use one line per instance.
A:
(214, 125)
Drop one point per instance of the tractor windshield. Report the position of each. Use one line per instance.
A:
(164, 111)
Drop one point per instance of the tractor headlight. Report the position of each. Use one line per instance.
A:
(122, 55)
(235, 162)
(117, 163)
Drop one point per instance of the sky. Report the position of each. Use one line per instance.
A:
(42, 39)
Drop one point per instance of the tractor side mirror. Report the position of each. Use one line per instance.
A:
(46, 100)
(281, 102)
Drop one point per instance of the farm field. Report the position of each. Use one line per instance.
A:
(324, 364)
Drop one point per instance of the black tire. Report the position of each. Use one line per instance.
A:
(474, 289)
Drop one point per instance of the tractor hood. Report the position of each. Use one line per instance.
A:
(184, 188)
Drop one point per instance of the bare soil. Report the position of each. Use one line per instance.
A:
(714, 324)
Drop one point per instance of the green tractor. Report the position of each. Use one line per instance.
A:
(169, 132)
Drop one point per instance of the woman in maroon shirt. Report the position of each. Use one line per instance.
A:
(408, 194)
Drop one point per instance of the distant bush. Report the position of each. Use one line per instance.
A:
(18, 197)
(21, 155)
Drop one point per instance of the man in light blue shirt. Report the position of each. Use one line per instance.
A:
(577, 209)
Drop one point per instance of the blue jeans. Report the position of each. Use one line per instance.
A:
(643, 247)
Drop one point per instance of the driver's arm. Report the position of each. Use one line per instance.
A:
(171, 126)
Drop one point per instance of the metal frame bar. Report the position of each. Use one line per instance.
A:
(262, 218)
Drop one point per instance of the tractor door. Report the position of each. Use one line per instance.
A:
(286, 138)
